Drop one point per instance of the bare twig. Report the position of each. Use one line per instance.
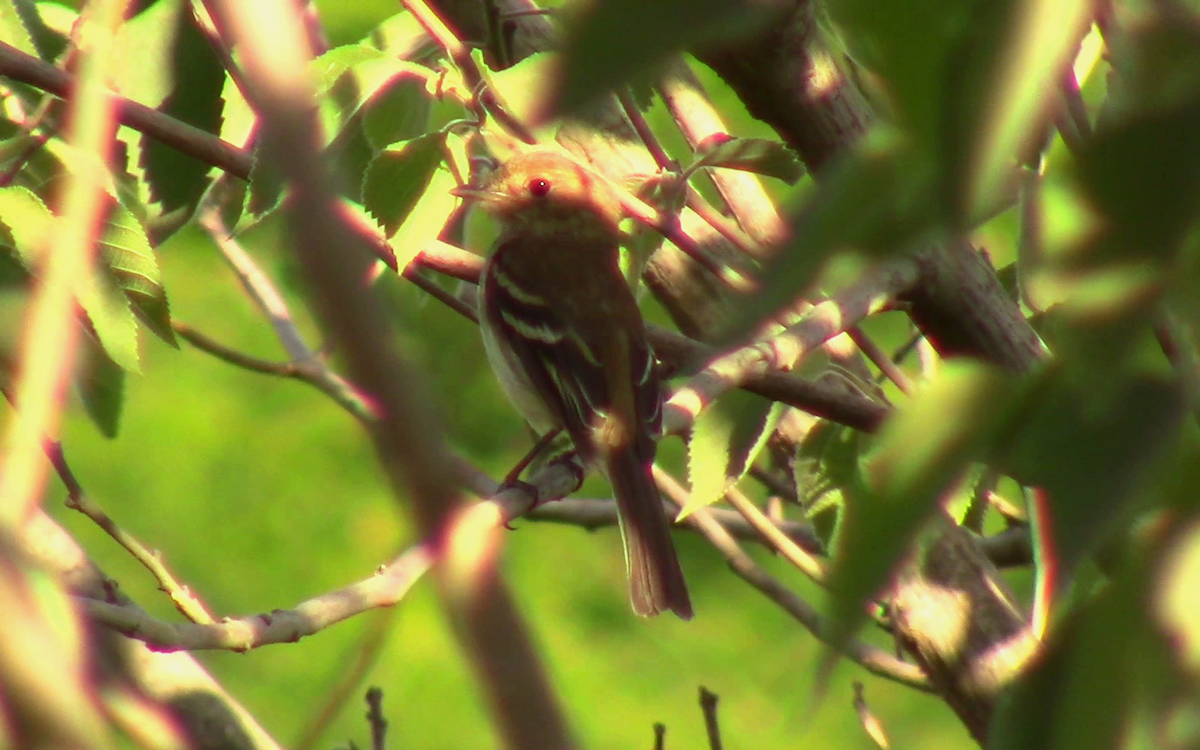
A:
(308, 365)
(708, 707)
(775, 536)
(871, 724)
(181, 596)
(384, 589)
(376, 719)
(597, 513)
(872, 659)
(649, 139)
(887, 366)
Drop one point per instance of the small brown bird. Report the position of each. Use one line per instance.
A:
(563, 332)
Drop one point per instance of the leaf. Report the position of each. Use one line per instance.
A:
(911, 49)
(398, 110)
(101, 385)
(758, 155)
(1094, 660)
(427, 218)
(127, 254)
(27, 224)
(265, 192)
(13, 29)
(922, 450)
(724, 442)
(999, 92)
(21, 23)
(177, 180)
(1090, 445)
(398, 177)
(110, 318)
(646, 33)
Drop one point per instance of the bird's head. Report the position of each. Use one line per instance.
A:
(546, 192)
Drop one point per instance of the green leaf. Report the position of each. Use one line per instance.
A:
(265, 192)
(725, 440)
(427, 218)
(27, 224)
(911, 48)
(101, 385)
(1095, 659)
(13, 29)
(110, 318)
(127, 254)
(162, 61)
(397, 111)
(196, 80)
(646, 33)
(1000, 91)
(398, 177)
(1090, 445)
(758, 155)
(21, 23)
(922, 450)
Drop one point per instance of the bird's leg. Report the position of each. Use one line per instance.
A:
(513, 478)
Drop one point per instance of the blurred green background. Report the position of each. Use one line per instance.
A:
(261, 493)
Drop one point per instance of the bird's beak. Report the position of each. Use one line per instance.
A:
(472, 194)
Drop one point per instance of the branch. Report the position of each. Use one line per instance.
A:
(186, 139)
(785, 350)
(872, 659)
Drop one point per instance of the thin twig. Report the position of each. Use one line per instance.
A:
(871, 724)
(599, 513)
(186, 602)
(872, 659)
(887, 366)
(805, 562)
(642, 128)
(708, 707)
(375, 718)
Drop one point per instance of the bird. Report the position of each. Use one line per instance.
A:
(564, 335)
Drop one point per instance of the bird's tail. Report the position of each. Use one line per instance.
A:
(656, 581)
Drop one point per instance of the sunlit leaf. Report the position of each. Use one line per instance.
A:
(126, 252)
(758, 155)
(725, 440)
(398, 177)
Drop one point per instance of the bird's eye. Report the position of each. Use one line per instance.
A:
(538, 187)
